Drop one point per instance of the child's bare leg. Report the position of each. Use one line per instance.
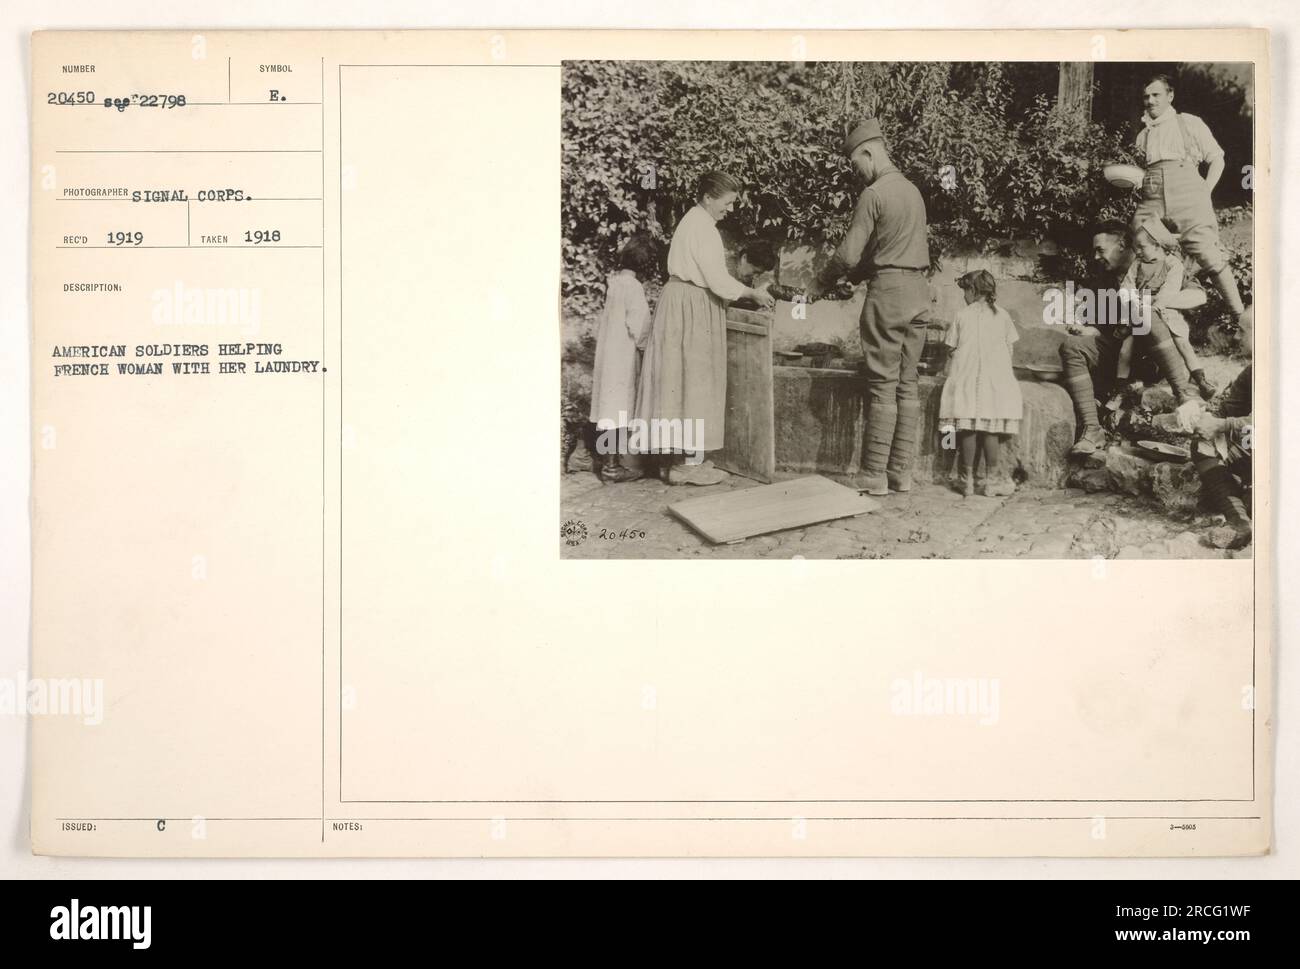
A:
(989, 445)
(982, 471)
(995, 485)
(967, 449)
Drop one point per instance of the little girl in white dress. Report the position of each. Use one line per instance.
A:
(624, 328)
(981, 398)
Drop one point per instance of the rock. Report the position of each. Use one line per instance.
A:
(1042, 448)
(1226, 536)
(1129, 552)
(1159, 398)
(1126, 472)
(1090, 479)
(1176, 486)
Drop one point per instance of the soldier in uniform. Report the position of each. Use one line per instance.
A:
(1090, 354)
(1223, 451)
(1173, 146)
(886, 242)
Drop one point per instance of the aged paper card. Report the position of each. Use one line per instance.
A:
(307, 581)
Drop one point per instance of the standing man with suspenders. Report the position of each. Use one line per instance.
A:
(1172, 147)
(887, 238)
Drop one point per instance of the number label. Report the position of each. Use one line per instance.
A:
(70, 97)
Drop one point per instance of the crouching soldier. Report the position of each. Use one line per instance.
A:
(1223, 460)
(1222, 454)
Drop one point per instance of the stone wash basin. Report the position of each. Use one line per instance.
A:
(819, 424)
(818, 413)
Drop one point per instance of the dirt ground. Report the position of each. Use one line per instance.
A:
(631, 520)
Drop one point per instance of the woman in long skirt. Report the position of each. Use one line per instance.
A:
(682, 396)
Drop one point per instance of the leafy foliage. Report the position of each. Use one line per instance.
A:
(992, 164)
(614, 127)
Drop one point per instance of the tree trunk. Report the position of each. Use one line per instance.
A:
(1074, 91)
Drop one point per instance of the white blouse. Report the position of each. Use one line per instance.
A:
(696, 255)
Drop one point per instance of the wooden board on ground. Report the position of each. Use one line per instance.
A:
(743, 513)
(749, 437)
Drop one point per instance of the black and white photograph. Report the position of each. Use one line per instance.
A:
(923, 310)
(947, 315)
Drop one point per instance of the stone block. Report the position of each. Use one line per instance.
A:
(820, 420)
(1177, 487)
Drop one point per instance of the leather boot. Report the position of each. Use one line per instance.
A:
(1221, 490)
(1204, 384)
(902, 451)
(881, 419)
